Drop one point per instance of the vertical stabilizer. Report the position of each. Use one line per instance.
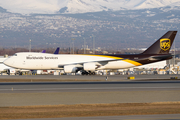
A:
(43, 51)
(162, 45)
(57, 51)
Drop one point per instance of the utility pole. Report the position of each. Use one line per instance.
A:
(73, 43)
(84, 45)
(30, 45)
(93, 44)
(70, 48)
(174, 54)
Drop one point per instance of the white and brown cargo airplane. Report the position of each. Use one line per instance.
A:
(72, 63)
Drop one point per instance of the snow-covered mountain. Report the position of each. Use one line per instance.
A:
(80, 6)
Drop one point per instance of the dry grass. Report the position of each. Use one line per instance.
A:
(82, 110)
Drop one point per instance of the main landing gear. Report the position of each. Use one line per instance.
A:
(87, 73)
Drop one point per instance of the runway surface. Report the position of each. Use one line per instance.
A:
(24, 87)
(91, 90)
(53, 93)
(88, 77)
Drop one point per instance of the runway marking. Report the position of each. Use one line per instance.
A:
(112, 88)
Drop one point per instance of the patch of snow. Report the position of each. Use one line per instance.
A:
(81, 6)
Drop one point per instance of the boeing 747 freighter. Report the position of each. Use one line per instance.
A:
(71, 63)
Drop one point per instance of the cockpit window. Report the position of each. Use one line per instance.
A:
(15, 55)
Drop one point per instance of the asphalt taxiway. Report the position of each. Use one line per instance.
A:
(87, 77)
(53, 93)
(55, 90)
(23, 87)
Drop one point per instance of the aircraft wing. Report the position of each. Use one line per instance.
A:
(96, 63)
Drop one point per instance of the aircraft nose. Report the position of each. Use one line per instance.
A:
(8, 62)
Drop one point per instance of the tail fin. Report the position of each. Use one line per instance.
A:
(57, 51)
(162, 45)
(43, 51)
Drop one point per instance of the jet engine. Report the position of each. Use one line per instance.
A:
(89, 66)
(70, 69)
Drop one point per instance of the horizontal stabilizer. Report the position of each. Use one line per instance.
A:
(161, 57)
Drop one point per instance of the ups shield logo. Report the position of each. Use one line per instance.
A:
(165, 44)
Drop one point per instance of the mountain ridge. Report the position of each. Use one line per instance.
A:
(82, 6)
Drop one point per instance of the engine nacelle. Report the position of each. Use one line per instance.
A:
(89, 66)
(70, 69)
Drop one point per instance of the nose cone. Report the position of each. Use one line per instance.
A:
(8, 62)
